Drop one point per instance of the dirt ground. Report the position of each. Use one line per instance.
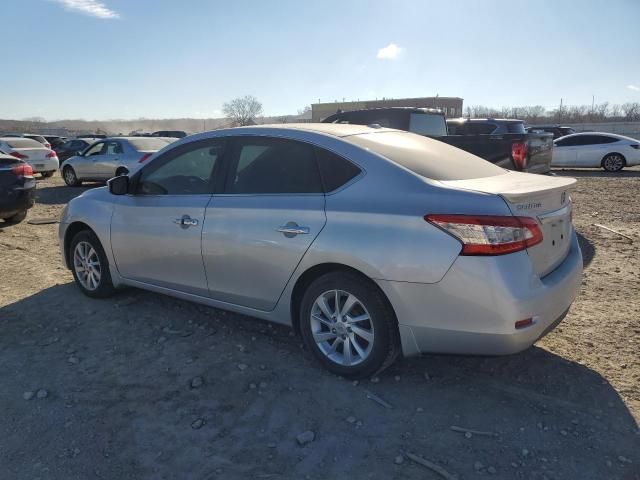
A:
(142, 386)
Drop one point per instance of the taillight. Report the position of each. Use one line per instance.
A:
(144, 157)
(18, 155)
(48, 145)
(24, 170)
(489, 234)
(51, 154)
(519, 154)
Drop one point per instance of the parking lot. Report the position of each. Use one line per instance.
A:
(146, 386)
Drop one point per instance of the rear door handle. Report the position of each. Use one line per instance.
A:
(186, 221)
(291, 229)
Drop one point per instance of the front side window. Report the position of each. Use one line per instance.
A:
(187, 171)
(273, 166)
(112, 148)
(95, 149)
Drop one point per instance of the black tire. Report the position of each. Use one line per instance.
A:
(105, 286)
(613, 162)
(70, 177)
(122, 171)
(47, 174)
(385, 344)
(17, 218)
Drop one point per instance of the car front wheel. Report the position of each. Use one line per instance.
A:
(348, 325)
(90, 266)
(17, 218)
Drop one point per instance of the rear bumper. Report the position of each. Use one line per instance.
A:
(17, 199)
(473, 309)
(48, 165)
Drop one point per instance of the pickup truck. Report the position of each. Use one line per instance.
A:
(503, 142)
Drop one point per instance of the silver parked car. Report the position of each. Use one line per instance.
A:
(368, 241)
(110, 157)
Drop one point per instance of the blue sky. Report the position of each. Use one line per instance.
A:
(127, 59)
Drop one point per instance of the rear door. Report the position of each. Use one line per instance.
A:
(595, 149)
(258, 230)
(156, 231)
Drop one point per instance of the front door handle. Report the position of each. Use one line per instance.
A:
(186, 221)
(291, 229)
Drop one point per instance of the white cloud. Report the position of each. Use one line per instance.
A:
(390, 52)
(635, 88)
(92, 8)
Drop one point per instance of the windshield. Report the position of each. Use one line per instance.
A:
(425, 156)
(147, 143)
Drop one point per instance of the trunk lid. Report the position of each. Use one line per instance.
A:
(36, 157)
(542, 197)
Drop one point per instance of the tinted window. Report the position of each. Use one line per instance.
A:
(514, 127)
(334, 170)
(187, 171)
(476, 128)
(429, 125)
(565, 142)
(269, 165)
(603, 139)
(455, 128)
(581, 140)
(425, 156)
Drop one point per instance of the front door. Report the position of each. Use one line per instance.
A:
(258, 230)
(87, 167)
(156, 230)
(105, 164)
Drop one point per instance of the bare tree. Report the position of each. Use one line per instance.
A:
(631, 111)
(302, 111)
(243, 110)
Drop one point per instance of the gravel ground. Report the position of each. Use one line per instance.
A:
(146, 386)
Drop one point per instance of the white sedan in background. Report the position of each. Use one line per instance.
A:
(592, 150)
(110, 157)
(43, 160)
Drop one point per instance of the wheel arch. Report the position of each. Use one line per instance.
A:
(316, 271)
(72, 230)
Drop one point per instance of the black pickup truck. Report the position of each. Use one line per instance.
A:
(503, 142)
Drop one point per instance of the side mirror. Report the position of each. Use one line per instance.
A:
(118, 185)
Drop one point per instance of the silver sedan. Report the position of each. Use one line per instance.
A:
(369, 242)
(110, 157)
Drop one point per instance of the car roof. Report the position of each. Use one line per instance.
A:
(599, 134)
(334, 129)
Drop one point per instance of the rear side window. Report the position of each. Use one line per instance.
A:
(334, 170)
(515, 127)
(273, 165)
(425, 156)
(23, 143)
(603, 139)
(476, 128)
(149, 144)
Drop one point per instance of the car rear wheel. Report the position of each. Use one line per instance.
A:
(348, 324)
(70, 178)
(17, 218)
(47, 174)
(90, 266)
(614, 162)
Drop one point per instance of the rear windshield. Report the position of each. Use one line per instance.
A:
(37, 138)
(425, 156)
(147, 143)
(23, 143)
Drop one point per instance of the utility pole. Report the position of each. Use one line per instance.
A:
(593, 104)
(560, 112)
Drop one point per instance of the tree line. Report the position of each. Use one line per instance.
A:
(601, 112)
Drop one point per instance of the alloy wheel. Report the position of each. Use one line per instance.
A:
(613, 163)
(86, 264)
(69, 176)
(342, 328)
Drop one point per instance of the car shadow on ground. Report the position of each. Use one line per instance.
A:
(588, 249)
(121, 398)
(62, 194)
(585, 173)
